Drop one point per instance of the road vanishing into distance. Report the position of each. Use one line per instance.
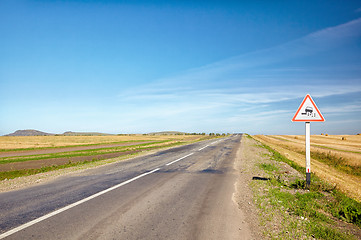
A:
(185, 192)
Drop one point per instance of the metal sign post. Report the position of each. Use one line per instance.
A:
(308, 112)
(308, 153)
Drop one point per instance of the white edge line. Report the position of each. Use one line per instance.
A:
(203, 148)
(26, 225)
(179, 159)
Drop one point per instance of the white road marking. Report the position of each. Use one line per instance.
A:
(26, 225)
(17, 229)
(215, 142)
(203, 148)
(179, 159)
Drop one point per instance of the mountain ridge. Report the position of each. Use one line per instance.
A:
(33, 132)
(29, 132)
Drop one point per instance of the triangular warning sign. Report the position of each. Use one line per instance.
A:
(308, 112)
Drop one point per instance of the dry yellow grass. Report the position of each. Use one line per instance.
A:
(352, 142)
(288, 146)
(24, 142)
(349, 149)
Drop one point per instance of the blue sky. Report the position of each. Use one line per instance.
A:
(194, 66)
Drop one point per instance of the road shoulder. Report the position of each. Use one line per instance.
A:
(243, 196)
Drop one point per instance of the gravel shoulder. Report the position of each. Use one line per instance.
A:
(246, 158)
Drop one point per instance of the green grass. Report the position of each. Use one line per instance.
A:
(309, 207)
(70, 146)
(336, 162)
(268, 167)
(279, 157)
(89, 152)
(330, 148)
(316, 206)
(94, 152)
(320, 231)
(142, 147)
(331, 160)
(345, 208)
(28, 172)
(327, 158)
(342, 207)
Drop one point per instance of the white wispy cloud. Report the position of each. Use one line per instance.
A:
(227, 108)
(311, 44)
(343, 108)
(256, 95)
(221, 93)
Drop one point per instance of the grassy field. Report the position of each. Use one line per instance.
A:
(41, 156)
(349, 149)
(38, 142)
(336, 158)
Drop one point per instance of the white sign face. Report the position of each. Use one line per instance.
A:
(308, 112)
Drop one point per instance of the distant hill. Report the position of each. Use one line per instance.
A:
(32, 132)
(29, 132)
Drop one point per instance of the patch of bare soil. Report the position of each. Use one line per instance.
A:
(59, 161)
(66, 149)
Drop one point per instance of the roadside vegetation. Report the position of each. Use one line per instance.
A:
(290, 210)
(337, 162)
(334, 160)
(342, 152)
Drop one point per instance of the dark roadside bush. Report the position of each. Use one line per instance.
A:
(298, 184)
(347, 209)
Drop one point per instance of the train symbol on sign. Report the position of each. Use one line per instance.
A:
(309, 112)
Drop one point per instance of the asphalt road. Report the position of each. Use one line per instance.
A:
(181, 193)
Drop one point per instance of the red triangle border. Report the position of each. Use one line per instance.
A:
(299, 109)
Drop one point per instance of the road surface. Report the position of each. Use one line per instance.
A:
(180, 193)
